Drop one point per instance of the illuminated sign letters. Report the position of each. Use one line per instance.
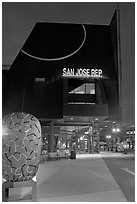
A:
(86, 73)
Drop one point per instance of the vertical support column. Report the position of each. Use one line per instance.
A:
(90, 139)
(119, 62)
(89, 143)
(99, 143)
(76, 144)
(92, 143)
(51, 137)
(66, 141)
(76, 140)
(95, 131)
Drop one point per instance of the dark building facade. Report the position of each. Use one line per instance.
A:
(65, 70)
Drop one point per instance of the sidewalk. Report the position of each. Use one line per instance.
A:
(116, 154)
(86, 179)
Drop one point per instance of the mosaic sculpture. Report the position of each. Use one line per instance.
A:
(21, 147)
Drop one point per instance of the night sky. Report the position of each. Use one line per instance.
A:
(18, 19)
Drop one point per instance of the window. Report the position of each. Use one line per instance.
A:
(87, 88)
(88, 92)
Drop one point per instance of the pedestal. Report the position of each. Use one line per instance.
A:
(51, 137)
(9, 184)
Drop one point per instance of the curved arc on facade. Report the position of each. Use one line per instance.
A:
(59, 58)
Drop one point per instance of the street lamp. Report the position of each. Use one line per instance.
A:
(116, 130)
(108, 136)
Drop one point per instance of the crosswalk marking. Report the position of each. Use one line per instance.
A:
(127, 170)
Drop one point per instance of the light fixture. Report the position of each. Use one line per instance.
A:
(81, 138)
(40, 79)
(86, 133)
(108, 136)
(127, 132)
(117, 130)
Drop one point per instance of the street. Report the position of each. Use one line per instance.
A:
(123, 171)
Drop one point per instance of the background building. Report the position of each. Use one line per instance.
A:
(60, 14)
(19, 18)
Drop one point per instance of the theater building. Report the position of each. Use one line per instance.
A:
(67, 75)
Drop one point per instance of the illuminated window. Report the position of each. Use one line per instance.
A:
(88, 88)
(85, 89)
(40, 79)
(79, 90)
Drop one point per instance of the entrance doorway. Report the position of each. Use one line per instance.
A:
(82, 139)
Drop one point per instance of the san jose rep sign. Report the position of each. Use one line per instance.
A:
(80, 73)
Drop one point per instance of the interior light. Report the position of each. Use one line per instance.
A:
(86, 133)
(108, 136)
(40, 79)
(118, 130)
(127, 132)
(81, 138)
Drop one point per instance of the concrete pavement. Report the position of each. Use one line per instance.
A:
(86, 179)
(123, 171)
(116, 154)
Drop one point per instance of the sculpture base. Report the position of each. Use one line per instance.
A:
(9, 184)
